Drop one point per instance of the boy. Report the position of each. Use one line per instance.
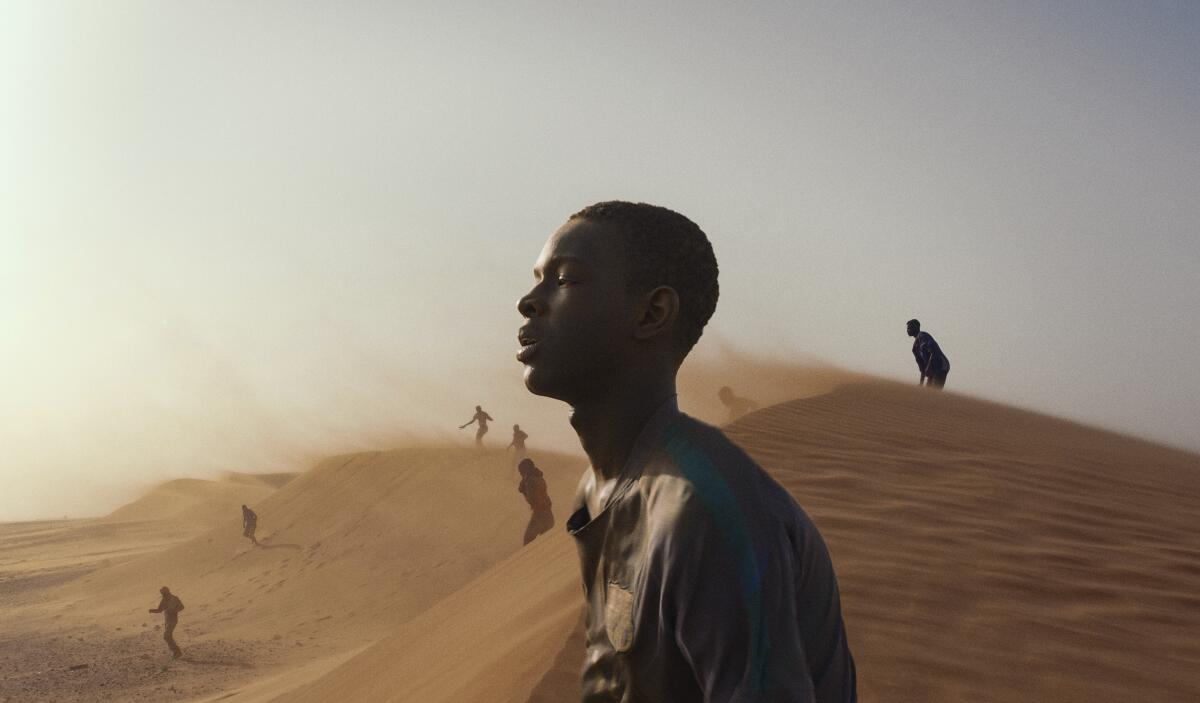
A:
(704, 579)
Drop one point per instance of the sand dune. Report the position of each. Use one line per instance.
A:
(33, 555)
(987, 553)
(350, 549)
(984, 553)
(200, 502)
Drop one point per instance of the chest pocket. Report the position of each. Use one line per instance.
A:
(618, 616)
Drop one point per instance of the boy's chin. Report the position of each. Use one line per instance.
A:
(535, 381)
(539, 381)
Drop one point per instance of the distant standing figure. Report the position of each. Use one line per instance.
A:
(169, 606)
(931, 362)
(482, 418)
(533, 487)
(737, 405)
(249, 524)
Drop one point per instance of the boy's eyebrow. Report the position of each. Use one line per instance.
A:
(537, 270)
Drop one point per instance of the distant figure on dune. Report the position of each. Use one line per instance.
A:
(169, 606)
(518, 442)
(533, 487)
(249, 524)
(704, 580)
(482, 418)
(931, 362)
(737, 405)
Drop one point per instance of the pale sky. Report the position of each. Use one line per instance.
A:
(244, 235)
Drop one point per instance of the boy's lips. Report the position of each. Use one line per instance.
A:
(528, 346)
(526, 352)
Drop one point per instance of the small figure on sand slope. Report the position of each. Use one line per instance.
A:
(249, 524)
(533, 487)
(482, 418)
(169, 606)
(518, 442)
(736, 404)
(931, 362)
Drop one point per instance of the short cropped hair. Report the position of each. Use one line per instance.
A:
(664, 248)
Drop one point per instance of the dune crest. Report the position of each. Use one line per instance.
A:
(200, 501)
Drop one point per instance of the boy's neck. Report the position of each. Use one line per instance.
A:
(609, 426)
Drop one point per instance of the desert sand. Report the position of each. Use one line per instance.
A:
(984, 553)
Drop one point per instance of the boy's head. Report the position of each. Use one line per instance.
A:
(913, 327)
(621, 287)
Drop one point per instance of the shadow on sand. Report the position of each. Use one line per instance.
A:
(217, 661)
(279, 546)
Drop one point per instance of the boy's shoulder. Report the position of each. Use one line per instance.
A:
(697, 474)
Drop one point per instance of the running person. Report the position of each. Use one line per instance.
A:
(482, 418)
(518, 444)
(518, 440)
(704, 580)
(533, 487)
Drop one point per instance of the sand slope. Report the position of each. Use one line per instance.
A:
(33, 555)
(987, 553)
(351, 549)
(491, 641)
(984, 553)
(369, 540)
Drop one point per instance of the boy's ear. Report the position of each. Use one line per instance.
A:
(660, 310)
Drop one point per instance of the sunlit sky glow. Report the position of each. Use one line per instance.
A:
(243, 235)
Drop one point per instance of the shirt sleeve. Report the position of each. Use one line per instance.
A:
(729, 595)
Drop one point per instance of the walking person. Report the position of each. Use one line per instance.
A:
(169, 606)
(249, 524)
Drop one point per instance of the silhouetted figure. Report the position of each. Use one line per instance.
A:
(533, 487)
(169, 606)
(931, 362)
(249, 524)
(704, 580)
(482, 418)
(518, 441)
(737, 405)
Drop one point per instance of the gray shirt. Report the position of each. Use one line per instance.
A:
(705, 581)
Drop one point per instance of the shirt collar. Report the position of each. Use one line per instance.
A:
(646, 441)
(639, 454)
